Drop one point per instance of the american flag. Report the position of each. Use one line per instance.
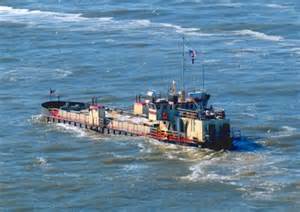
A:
(51, 92)
(192, 54)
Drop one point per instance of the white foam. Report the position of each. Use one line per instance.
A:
(295, 50)
(230, 43)
(247, 114)
(277, 6)
(211, 61)
(202, 173)
(6, 12)
(184, 30)
(73, 175)
(41, 161)
(61, 73)
(80, 23)
(216, 4)
(30, 74)
(143, 22)
(223, 167)
(36, 119)
(254, 174)
(109, 41)
(26, 16)
(78, 131)
(48, 19)
(133, 167)
(286, 131)
(258, 35)
(144, 148)
(288, 128)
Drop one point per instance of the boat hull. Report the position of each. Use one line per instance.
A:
(52, 113)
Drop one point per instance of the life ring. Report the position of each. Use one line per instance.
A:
(165, 116)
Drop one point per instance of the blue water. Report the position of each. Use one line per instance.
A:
(250, 51)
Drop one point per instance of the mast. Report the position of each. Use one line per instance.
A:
(183, 63)
(203, 80)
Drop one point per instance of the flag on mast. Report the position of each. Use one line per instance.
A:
(193, 55)
(51, 92)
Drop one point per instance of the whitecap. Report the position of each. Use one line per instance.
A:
(109, 41)
(285, 131)
(133, 167)
(29, 74)
(184, 30)
(231, 43)
(141, 23)
(277, 6)
(9, 76)
(288, 128)
(61, 73)
(73, 175)
(211, 61)
(9, 12)
(261, 189)
(201, 173)
(68, 128)
(41, 161)
(80, 23)
(144, 148)
(36, 119)
(295, 50)
(247, 114)
(258, 35)
(223, 167)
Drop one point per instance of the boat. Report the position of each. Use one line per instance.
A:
(178, 116)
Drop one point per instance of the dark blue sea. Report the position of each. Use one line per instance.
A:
(250, 53)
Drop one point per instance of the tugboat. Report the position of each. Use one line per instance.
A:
(178, 117)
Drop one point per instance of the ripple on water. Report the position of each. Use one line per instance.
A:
(33, 74)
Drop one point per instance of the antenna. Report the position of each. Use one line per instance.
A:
(183, 62)
(203, 80)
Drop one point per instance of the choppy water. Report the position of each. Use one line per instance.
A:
(114, 49)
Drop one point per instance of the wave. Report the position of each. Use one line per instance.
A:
(33, 74)
(39, 18)
(48, 19)
(277, 6)
(6, 11)
(133, 167)
(41, 161)
(208, 5)
(78, 22)
(36, 119)
(285, 131)
(68, 128)
(295, 50)
(258, 35)
(254, 174)
(184, 30)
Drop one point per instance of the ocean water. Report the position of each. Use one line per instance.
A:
(250, 51)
